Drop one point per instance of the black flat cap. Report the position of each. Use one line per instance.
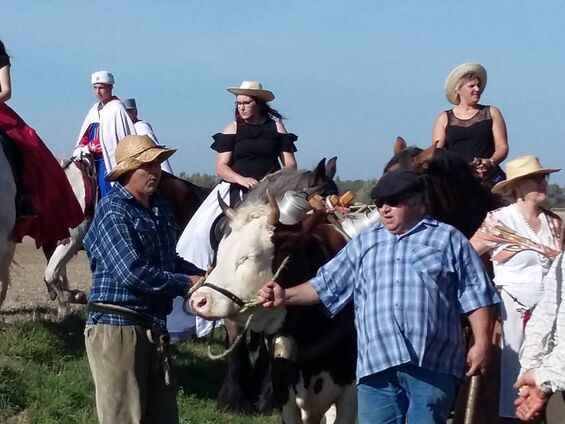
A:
(398, 183)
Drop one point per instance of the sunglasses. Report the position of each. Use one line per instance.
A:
(392, 201)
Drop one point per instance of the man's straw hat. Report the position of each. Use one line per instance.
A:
(523, 166)
(134, 151)
(459, 72)
(254, 89)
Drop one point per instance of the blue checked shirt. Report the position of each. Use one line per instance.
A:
(132, 256)
(409, 292)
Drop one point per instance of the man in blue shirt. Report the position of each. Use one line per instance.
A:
(411, 278)
(136, 274)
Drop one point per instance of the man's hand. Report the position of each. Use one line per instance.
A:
(531, 400)
(271, 295)
(478, 358)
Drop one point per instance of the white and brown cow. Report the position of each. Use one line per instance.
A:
(313, 356)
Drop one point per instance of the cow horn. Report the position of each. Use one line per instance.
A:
(228, 212)
(275, 213)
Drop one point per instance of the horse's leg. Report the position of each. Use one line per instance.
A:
(48, 249)
(233, 394)
(55, 275)
(5, 262)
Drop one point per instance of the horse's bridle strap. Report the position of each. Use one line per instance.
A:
(237, 300)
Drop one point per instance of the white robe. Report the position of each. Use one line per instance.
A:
(115, 124)
(144, 128)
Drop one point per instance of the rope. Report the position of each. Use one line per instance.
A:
(249, 304)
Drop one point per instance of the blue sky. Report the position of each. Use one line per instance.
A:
(349, 75)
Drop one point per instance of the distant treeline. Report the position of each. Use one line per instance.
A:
(362, 188)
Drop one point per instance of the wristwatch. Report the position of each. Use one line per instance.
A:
(545, 387)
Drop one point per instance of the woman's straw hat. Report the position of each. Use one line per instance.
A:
(135, 150)
(254, 89)
(523, 166)
(455, 76)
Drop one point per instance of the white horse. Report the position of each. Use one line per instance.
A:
(7, 221)
(55, 275)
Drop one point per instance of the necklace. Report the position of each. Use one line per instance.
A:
(525, 221)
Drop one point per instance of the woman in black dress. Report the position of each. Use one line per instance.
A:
(255, 144)
(474, 131)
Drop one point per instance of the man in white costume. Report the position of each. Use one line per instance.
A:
(143, 128)
(106, 123)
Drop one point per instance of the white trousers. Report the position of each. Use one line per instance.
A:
(512, 338)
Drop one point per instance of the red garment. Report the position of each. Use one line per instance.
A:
(45, 182)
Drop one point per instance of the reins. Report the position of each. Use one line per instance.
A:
(244, 305)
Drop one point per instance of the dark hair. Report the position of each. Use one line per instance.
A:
(3, 49)
(264, 110)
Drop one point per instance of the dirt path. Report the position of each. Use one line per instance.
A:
(27, 293)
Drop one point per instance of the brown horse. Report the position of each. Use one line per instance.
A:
(183, 197)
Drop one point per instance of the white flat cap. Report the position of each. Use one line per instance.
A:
(102, 77)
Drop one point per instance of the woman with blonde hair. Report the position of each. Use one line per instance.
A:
(474, 131)
(522, 240)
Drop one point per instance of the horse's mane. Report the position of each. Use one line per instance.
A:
(291, 179)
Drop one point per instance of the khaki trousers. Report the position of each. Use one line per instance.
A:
(555, 410)
(128, 376)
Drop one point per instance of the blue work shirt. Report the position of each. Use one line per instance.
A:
(131, 250)
(409, 292)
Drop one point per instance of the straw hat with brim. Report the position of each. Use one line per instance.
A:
(455, 76)
(254, 89)
(133, 152)
(521, 167)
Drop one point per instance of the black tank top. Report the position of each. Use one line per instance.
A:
(470, 138)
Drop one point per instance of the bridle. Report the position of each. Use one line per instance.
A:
(233, 297)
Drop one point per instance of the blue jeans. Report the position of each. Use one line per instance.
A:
(406, 392)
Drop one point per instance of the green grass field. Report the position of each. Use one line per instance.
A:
(45, 379)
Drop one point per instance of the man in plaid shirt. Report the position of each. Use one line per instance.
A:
(411, 278)
(136, 274)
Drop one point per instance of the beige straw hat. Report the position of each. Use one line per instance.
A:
(459, 72)
(254, 89)
(135, 150)
(521, 167)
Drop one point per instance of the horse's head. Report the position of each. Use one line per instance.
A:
(411, 158)
(453, 193)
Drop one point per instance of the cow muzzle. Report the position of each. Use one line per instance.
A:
(209, 305)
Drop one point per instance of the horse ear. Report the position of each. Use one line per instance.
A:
(399, 146)
(425, 156)
(331, 167)
(318, 174)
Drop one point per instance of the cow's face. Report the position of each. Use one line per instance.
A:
(243, 266)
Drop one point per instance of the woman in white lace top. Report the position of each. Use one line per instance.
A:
(522, 239)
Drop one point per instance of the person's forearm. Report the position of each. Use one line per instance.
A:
(302, 295)
(499, 155)
(482, 321)
(227, 174)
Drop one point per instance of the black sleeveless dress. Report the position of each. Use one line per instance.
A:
(255, 148)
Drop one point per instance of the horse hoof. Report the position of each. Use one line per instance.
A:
(78, 296)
